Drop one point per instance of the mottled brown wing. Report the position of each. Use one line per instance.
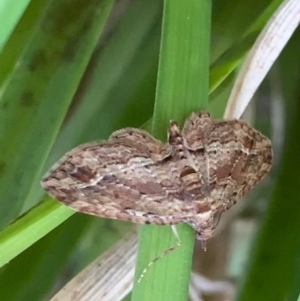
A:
(196, 130)
(239, 157)
(231, 157)
(121, 178)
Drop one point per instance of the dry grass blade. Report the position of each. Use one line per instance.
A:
(108, 278)
(263, 54)
(200, 285)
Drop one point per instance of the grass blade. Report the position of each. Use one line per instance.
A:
(182, 87)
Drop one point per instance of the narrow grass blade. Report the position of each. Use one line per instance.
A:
(37, 88)
(182, 87)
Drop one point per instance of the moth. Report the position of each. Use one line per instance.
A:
(200, 172)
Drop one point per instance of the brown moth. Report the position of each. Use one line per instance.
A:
(200, 172)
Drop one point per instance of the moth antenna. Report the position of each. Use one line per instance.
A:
(164, 253)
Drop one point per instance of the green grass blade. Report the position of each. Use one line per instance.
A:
(232, 19)
(30, 228)
(45, 262)
(109, 67)
(38, 89)
(10, 12)
(182, 87)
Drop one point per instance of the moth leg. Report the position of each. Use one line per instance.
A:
(164, 253)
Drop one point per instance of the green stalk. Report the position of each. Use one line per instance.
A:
(182, 87)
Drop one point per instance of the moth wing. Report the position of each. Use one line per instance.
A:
(238, 158)
(196, 130)
(120, 178)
